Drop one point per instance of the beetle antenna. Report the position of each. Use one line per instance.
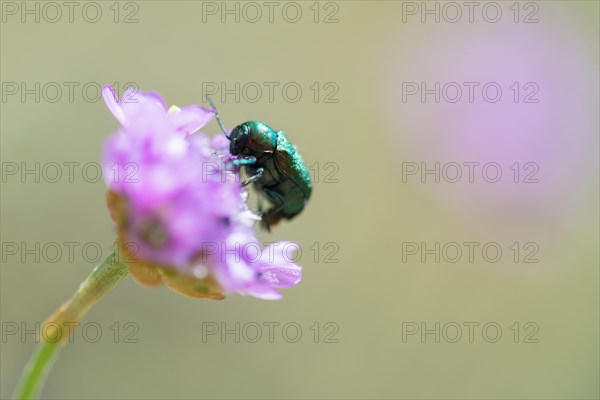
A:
(217, 115)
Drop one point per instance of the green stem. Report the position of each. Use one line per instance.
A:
(101, 281)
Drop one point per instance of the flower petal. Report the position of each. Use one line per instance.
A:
(282, 276)
(137, 104)
(280, 253)
(264, 293)
(220, 142)
(112, 102)
(191, 118)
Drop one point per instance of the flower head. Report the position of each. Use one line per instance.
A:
(178, 207)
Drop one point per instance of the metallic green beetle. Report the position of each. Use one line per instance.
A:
(274, 167)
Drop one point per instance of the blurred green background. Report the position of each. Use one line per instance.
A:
(357, 53)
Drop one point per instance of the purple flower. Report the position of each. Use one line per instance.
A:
(136, 105)
(179, 208)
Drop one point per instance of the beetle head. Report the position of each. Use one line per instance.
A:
(238, 139)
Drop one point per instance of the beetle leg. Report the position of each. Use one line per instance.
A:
(259, 205)
(265, 224)
(245, 161)
(254, 178)
(270, 216)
